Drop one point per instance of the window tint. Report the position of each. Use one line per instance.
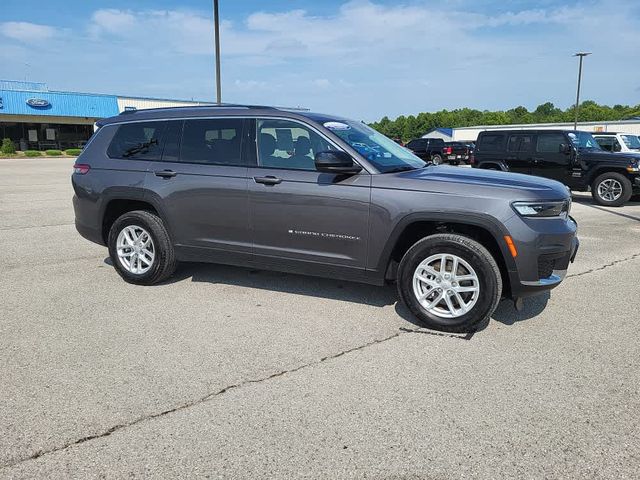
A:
(417, 144)
(212, 141)
(492, 141)
(287, 144)
(606, 143)
(520, 143)
(550, 142)
(140, 141)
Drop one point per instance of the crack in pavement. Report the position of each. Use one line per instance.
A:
(605, 266)
(213, 395)
(206, 398)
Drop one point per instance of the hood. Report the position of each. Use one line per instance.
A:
(616, 157)
(474, 182)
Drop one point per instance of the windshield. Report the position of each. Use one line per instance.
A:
(382, 152)
(584, 140)
(631, 141)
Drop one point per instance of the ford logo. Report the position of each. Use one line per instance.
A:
(38, 102)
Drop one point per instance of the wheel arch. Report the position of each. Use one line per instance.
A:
(482, 228)
(607, 169)
(116, 205)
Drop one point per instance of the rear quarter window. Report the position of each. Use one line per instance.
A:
(138, 140)
(491, 142)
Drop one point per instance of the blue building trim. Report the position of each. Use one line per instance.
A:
(60, 104)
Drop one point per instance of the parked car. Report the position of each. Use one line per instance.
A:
(618, 142)
(320, 195)
(428, 149)
(572, 157)
(456, 152)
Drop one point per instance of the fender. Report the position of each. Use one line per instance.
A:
(133, 194)
(487, 222)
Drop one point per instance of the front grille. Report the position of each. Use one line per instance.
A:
(545, 267)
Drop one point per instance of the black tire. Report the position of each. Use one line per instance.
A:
(627, 189)
(164, 262)
(477, 256)
(436, 159)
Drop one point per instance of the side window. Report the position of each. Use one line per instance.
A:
(212, 141)
(606, 143)
(492, 142)
(616, 145)
(550, 142)
(138, 140)
(287, 144)
(520, 143)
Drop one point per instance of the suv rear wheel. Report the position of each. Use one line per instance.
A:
(450, 282)
(611, 189)
(140, 248)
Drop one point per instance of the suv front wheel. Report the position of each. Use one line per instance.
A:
(611, 189)
(140, 248)
(450, 282)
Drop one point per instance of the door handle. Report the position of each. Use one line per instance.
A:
(165, 173)
(268, 180)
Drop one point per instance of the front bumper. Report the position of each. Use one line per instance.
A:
(545, 251)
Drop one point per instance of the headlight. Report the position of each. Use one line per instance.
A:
(543, 209)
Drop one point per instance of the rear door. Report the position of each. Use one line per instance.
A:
(201, 184)
(549, 159)
(299, 214)
(519, 156)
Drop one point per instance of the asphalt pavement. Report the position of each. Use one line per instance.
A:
(237, 373)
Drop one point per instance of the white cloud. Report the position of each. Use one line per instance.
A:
(364, 59)
(27, 32)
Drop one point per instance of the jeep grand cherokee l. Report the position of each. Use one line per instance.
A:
(572, 157)
(321, 195)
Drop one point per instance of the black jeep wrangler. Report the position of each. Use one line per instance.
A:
(571, 157)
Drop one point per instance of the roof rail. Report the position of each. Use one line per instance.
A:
(210, 105)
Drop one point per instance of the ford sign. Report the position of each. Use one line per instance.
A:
(38, 102)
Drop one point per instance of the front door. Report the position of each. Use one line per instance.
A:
(550, 159)
(201, 184)
(299, 215)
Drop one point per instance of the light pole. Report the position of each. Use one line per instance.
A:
(581, 55)
(216, 22)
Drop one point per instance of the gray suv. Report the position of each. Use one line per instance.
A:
(319, 195)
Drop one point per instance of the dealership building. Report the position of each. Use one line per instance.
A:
(36, 118)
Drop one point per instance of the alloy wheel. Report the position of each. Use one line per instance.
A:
(446, 285)
(136, 250)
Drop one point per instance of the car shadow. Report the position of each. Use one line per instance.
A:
(287, 283)
(507, 314)
(337, 290)
(619, 211)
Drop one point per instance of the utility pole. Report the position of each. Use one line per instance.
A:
(581, 55)
(216, 22)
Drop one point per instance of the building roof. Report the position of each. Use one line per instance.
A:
(61, 104)
(33, 98)
(444, 131)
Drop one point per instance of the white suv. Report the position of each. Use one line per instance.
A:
(618, 142)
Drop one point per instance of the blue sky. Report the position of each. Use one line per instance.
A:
(360, 58)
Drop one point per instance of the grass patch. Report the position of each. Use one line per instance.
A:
(73, 152)
(53, 153)
(32, 153)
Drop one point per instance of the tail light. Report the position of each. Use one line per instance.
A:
(447, 150)
(81, 168)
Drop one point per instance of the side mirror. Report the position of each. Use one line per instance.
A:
(565, 148)
(333, 161)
